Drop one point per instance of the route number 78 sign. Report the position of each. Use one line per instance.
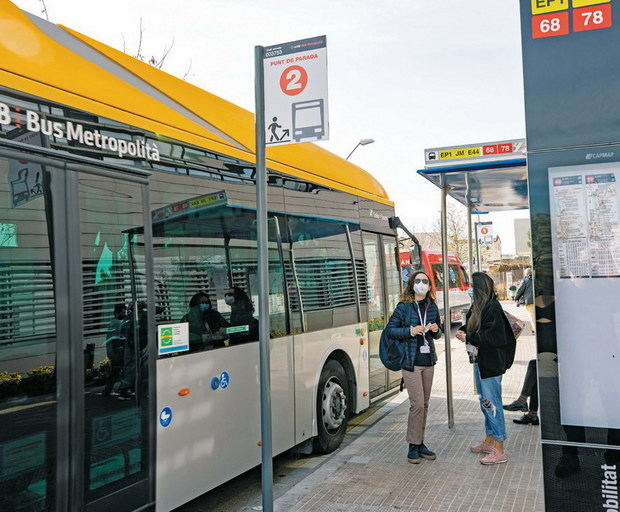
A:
(296, 92)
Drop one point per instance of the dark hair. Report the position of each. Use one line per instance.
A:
(409, 293)
(242, 300)
(195, 300)
(484, 292)
(119, 308)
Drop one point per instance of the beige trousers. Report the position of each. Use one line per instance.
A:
(530, 310)
(418, 383)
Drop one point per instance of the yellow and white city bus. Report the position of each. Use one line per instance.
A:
(128, 376)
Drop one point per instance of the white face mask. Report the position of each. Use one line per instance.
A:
(229, 299)
(420, 288)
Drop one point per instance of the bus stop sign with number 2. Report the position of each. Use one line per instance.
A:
(296, 92)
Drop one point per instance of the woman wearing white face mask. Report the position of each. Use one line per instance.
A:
(416, 322)
(241, 315)
(206, 325)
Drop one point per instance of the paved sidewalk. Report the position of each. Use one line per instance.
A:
(373, 475)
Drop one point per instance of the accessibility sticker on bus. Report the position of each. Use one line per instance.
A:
(295, 75)
(172, 338)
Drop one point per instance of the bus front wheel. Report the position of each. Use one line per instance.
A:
(332, 403)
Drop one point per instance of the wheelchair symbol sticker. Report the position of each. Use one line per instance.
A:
(224, 380)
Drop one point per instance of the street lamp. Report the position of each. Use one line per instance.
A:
(362, 142)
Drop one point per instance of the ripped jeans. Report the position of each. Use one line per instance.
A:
(490, 393)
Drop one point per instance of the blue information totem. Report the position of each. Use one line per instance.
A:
(571, 67)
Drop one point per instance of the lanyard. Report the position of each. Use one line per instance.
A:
(423, 320)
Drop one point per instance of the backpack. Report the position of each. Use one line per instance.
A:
(392, 350)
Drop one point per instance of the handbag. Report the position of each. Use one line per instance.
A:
(392, 350)
(516, 325)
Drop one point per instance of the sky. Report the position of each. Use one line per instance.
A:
(410, 74)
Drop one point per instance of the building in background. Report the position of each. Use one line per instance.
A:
(491, 254)
(523, 237)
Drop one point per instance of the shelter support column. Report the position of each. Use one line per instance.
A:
(446, 298)
(479, 267)
(470, 244)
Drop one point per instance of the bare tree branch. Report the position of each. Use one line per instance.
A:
(139, 51)
(457, 233)
(154, 61)
(189, 68)
(44, 9)
(160, 63)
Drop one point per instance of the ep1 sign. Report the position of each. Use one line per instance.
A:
(295, 82)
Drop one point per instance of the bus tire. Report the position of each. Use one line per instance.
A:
(332, 407)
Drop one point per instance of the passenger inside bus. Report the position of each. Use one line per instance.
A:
(207, 327)
(241, 315)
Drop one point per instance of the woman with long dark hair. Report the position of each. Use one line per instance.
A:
(206, 325)
(241, 315)
(416, 322)
(488, 330)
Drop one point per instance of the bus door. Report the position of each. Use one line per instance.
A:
(68, 442)
(383, 285)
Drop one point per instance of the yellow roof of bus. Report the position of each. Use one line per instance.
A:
(64, 66)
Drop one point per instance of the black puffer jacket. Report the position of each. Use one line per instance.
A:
(495, 341)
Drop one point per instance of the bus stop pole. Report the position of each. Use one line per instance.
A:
(478, 246)
(470, 243)
(446, 298)
(263, 286)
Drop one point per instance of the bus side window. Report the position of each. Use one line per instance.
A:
(454, 276)
(324, 270)
(465, 277)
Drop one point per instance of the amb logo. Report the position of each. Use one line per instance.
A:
(166, 337)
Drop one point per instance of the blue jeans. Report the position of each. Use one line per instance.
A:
(490, 393)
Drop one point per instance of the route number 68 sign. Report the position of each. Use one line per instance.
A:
(295, 76)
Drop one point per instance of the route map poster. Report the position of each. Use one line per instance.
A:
(295, 77)
(584, 204)
(585, 221)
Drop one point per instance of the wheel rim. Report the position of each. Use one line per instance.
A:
(333, 405)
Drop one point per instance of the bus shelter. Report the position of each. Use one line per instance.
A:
(485, 178)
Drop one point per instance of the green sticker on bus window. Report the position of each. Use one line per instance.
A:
(172, 338)
(237, 328)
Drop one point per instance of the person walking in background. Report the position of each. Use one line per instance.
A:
(416, 322)
(530, 390)
(525, 295)
(488, 329)
(115, 348)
